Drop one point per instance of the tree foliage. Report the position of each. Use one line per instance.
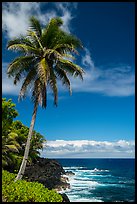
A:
(14, 137)
(23, 191)
(8, 114)
(45, 56)
(36, 142)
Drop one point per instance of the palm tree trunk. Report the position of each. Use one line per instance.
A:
(27, 147)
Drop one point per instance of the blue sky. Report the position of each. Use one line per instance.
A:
(98, 119)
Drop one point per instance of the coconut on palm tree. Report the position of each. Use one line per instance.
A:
(45, 56)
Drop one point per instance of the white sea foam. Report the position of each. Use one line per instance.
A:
(100, 170)
(82, 178)
(73, 167)
(98, 175)
(79, 191)
(83, 183)
(94, 170)
(76, 198)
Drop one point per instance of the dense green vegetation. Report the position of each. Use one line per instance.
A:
(14, 137)
(23, 191)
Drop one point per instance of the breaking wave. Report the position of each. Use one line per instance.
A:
(101, 182)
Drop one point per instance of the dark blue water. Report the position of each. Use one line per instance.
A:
(100, 180)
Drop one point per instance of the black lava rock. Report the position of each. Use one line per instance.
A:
(65, 197)
(48, 172)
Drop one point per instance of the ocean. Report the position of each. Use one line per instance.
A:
(100, 180)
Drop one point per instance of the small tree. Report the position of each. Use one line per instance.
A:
(8, 114)
(14, 138)
(36, 140)
(9, 142)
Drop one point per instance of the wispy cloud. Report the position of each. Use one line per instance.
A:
(66, 9)
(118, 81)
(7, 83)
(86, 60)
(15, 15)
(109, 80)
(89, 149)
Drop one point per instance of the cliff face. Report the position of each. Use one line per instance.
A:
(50, 173)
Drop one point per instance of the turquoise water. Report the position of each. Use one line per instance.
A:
(100, 180)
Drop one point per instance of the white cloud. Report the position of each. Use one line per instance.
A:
(116, 80)
(109, 80)
(66, 10)
(15, 15)
(7, 83)
(89, 149)
(86, 59)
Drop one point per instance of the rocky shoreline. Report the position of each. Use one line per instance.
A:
(50, 173)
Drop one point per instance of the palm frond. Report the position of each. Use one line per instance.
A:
(65, 48)
(44, 96)
(12, 136)
(43, 70)
(52, 54)
(12, 148)
(67, 39)
(35, 26)
(17, 78)
(29, 78)
(53, 84)
(63, 77)
(34, 39)
(4, 161)
(71, 68)
(24, 48)
(19, 65)
(68, 56)
(39, 93)
(20, 40)
(50, 33)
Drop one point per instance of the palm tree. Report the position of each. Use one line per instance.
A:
(9, 147)
(45, 56)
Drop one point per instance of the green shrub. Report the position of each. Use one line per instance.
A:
(7, 177)
(23, 191)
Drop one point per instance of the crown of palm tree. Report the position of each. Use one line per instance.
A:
(45, 56)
